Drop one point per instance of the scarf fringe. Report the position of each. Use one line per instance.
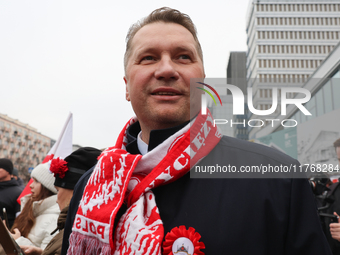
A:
(85, 244)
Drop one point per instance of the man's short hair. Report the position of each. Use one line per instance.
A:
(336, 143)
(167, 15)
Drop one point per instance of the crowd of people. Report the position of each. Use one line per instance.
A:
(38, 229)
(137, 197)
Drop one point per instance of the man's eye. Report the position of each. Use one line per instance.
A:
(184, 57)
(148, 58)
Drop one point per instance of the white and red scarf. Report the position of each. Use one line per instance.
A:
(120, 176)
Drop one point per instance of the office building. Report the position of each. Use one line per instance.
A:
(22, 144)
(236, 75)
(287, 41)
(314, 134)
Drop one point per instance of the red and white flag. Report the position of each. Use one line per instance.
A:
(62, 148)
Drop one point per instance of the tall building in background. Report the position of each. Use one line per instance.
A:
(287, 41)
(22, 144)
(237, 70)
(311, 141)
(223, 113)
(237, 75)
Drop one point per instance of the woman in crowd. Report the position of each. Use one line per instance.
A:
(39, 211)
(67, 173)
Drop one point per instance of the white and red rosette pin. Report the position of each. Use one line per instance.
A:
(180, 241)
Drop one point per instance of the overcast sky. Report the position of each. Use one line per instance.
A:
(61, 56)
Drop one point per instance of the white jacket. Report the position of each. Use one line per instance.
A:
(46, 212)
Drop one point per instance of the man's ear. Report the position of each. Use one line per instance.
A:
(127, 95)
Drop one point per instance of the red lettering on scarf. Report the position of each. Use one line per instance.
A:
(92, 228)
(100, 231)
(86, 227)
(78, 223)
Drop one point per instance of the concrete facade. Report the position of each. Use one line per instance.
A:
(287, 41)
(236, 75)
(22, 144)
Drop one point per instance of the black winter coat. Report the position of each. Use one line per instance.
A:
(237, 216)
(9, 192)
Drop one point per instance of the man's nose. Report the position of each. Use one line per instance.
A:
(166, 69)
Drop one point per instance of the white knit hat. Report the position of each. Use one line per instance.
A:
(42, 174)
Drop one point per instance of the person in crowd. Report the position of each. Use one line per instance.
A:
(39, 210)
(67, 172)
(333, 229)
(337, 149)
(10, 190)
(15, 175)
(320, 183)
(140, 199)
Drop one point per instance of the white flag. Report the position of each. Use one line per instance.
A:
(63, 146)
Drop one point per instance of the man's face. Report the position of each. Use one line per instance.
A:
(163, 59)
(337, 149)
(4, 175)
(63, 197)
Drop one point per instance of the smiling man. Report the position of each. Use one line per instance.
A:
(162, 59)
(140, 199)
